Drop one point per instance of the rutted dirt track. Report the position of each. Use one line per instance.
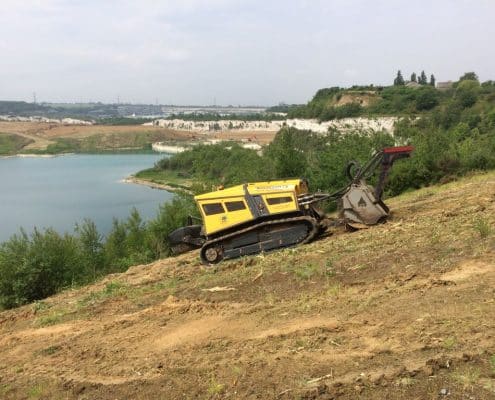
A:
(403, 310)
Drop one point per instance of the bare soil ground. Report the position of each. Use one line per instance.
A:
(31, 131)
(116, 137)
(404, 310)
(362, 98)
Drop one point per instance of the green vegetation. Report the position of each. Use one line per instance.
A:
(35, 392)
(398, 100)
(116, 121)
(36, 266)
(282, 108)
(224, 163)
(449, 343)
(213, 116)
(292, 153)
(173, 179)
(11, 144)
(21, 108)
(392, 100)
(215, 388)
(482, 226)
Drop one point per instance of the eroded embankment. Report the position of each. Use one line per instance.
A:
(401, 310)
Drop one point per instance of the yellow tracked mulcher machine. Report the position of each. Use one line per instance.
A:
(264, 216)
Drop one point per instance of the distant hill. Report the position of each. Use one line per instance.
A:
(22, 108)
(77, 110)
(335, 102)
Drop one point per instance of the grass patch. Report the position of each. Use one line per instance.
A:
(135, 294)
(424, 194)
(35, 392)
(48, 351)
(169, 285)
(5, 388)
(330, 269)
(308, 271)
(492, 363)
(11, 144)
(449, 343)
(111, 289)
(489, 385)
(333, 290)
(468, 378)
(53, 318)
(40, 306)
(215, 388)
(167, 177)
(482, 226)
(405, 381)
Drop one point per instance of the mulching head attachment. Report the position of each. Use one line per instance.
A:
(360, 204)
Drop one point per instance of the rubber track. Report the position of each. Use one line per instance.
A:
(308, 238)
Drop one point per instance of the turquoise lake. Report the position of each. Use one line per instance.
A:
(57, 192)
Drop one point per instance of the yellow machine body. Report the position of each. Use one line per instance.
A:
(264, 216)
(227, 208)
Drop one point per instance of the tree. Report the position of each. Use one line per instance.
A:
(115, 246)
(432, 80)
(91, 247)
(426, 99)
(288, 159)
(414, 77)
(422, 79)
(467, 92)
(469, 76)
(136, 233)
(399, 80)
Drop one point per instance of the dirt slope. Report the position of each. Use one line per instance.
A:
(404, 310)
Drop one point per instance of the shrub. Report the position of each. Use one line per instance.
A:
(426, 98)
(37, 266)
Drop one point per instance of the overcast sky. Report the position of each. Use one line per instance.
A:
(235, 52)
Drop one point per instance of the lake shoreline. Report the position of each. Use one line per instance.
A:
(154, 185)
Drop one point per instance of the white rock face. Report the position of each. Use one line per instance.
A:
(72, 121)
(162, 147)
(64, 121)
(345, 125)
(169, 149)
(223, 125)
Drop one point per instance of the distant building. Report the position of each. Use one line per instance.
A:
(444, 85)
